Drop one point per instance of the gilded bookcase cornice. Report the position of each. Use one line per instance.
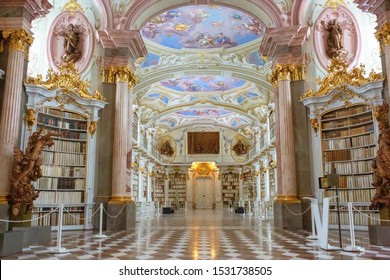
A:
(119, 74)
(287, 72)
(383, 36)
(67, 80)
(19, 40)
(339, 76)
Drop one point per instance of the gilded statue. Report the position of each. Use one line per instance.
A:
(26, 168)
(335, 39)
(381, 164)
(72, 52)
(240, 148)
(166, 149)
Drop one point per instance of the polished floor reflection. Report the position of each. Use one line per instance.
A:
(203, 235)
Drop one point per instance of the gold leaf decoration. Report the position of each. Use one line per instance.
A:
(68, 80)
(338, 76)
(73, 6)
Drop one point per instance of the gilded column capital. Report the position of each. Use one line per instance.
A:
(287, 72)
(19, 40)
(383, 36)
(119, 74)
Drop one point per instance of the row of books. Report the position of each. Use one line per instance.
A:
(74, 135)
(356, 181)
(346, 112)
(62, 171)
(346, 143)
(231, 187)
(63, 158)
(359, 219)
(352, 154)
(348, 167)
(62, 124)
(347, 122)
(230, 177)
(349, 195)
(67, 146)
(348, 132)
(49, 183)
(59, 197)
(58, 113)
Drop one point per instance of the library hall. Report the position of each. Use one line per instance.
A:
(194, 130)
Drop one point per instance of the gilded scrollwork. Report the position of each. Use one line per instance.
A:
(67, 80)
(286, 72)
(383, 36)
(92, 127)
(119, 74)
(19, 40)
(73, 6)
(30, 118)
(339, 76)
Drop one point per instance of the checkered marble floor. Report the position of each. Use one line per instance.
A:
(202, 235)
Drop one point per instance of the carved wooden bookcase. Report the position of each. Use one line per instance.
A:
(230, 187)
(177, 188)
(344, 141)
(69, 165)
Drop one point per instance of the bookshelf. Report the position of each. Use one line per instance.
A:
(68, 167)
(135, 184)
(158, 193)
(230, 187)
(348, 148)
(177, 184)
(248, 185)
(272, 125)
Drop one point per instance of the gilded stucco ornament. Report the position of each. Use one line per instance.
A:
(72, 6)
(383, 36)
(92, 127)
(339, 76)
(19, 40)
(30, 118)
(286, 72)
(119, 74)
(68, 80)
(334, 4)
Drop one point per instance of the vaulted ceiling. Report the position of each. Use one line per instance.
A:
(203, 65)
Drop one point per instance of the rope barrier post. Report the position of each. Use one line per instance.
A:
(158, 208)
(100, 235)
(260, 210)
(313, 235)
(249, 208)
(352, 247)
(147, 207)
(59, 249)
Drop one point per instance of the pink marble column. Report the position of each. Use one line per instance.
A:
(11, 108)
(286, 133)
(120, 149)
(277, 140)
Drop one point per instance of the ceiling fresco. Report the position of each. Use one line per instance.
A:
(202, 27)
(203, 115)
(203, 83)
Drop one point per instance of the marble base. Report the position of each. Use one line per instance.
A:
(11, 242)
(4, 210)
(35, 235)
(379, 235)
(125, 220)
(284, 218)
